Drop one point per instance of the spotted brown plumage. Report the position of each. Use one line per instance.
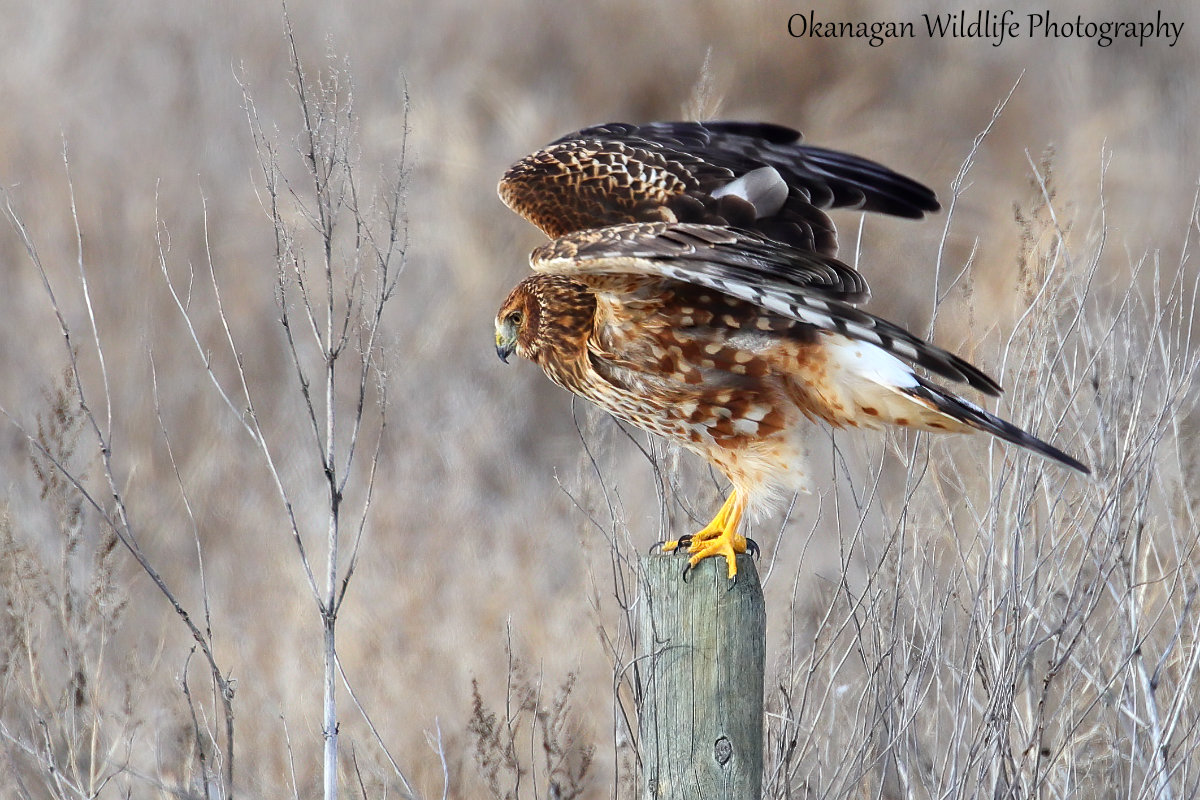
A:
(749, 175)
(725, 340)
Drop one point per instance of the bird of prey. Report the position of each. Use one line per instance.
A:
(691, 289)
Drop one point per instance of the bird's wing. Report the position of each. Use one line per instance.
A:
(797, 284)
(742, 174)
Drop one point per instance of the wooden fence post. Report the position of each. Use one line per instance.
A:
(701, 658)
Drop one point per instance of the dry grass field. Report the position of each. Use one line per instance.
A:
(947, 618)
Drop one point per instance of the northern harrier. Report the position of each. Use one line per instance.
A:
(692, 291)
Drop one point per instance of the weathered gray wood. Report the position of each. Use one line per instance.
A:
(701, 657)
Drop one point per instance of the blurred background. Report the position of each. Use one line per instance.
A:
(473, 538)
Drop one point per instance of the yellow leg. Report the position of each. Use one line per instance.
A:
(718, 538)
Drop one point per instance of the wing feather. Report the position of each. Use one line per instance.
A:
(797, 284)
(701, 253)
(692, 172)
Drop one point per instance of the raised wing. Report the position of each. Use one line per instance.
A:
(741, 174)
(797, 284)
(707, 255)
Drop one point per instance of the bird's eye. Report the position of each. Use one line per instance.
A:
(515, 318)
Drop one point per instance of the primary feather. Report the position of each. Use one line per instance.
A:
(743, 174)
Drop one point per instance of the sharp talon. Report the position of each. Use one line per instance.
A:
(686, 569)
(718, 538)
(673, 545)
(656, 546)
(752, 548)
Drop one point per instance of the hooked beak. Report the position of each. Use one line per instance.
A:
(504, 346)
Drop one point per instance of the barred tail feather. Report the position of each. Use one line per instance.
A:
(877, 389)
(931, 394)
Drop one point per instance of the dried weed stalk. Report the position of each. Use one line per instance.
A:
(61, 462)
(532, 747)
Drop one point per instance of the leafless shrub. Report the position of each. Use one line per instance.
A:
(532, 747)
(61, 612)
(331, 315)
(338, 256)
(97, 507)
(1019, 632)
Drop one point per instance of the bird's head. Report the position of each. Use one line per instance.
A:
(542, 314)
(516, 321)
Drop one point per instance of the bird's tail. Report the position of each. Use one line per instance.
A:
(879, 389)
(931, 396)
